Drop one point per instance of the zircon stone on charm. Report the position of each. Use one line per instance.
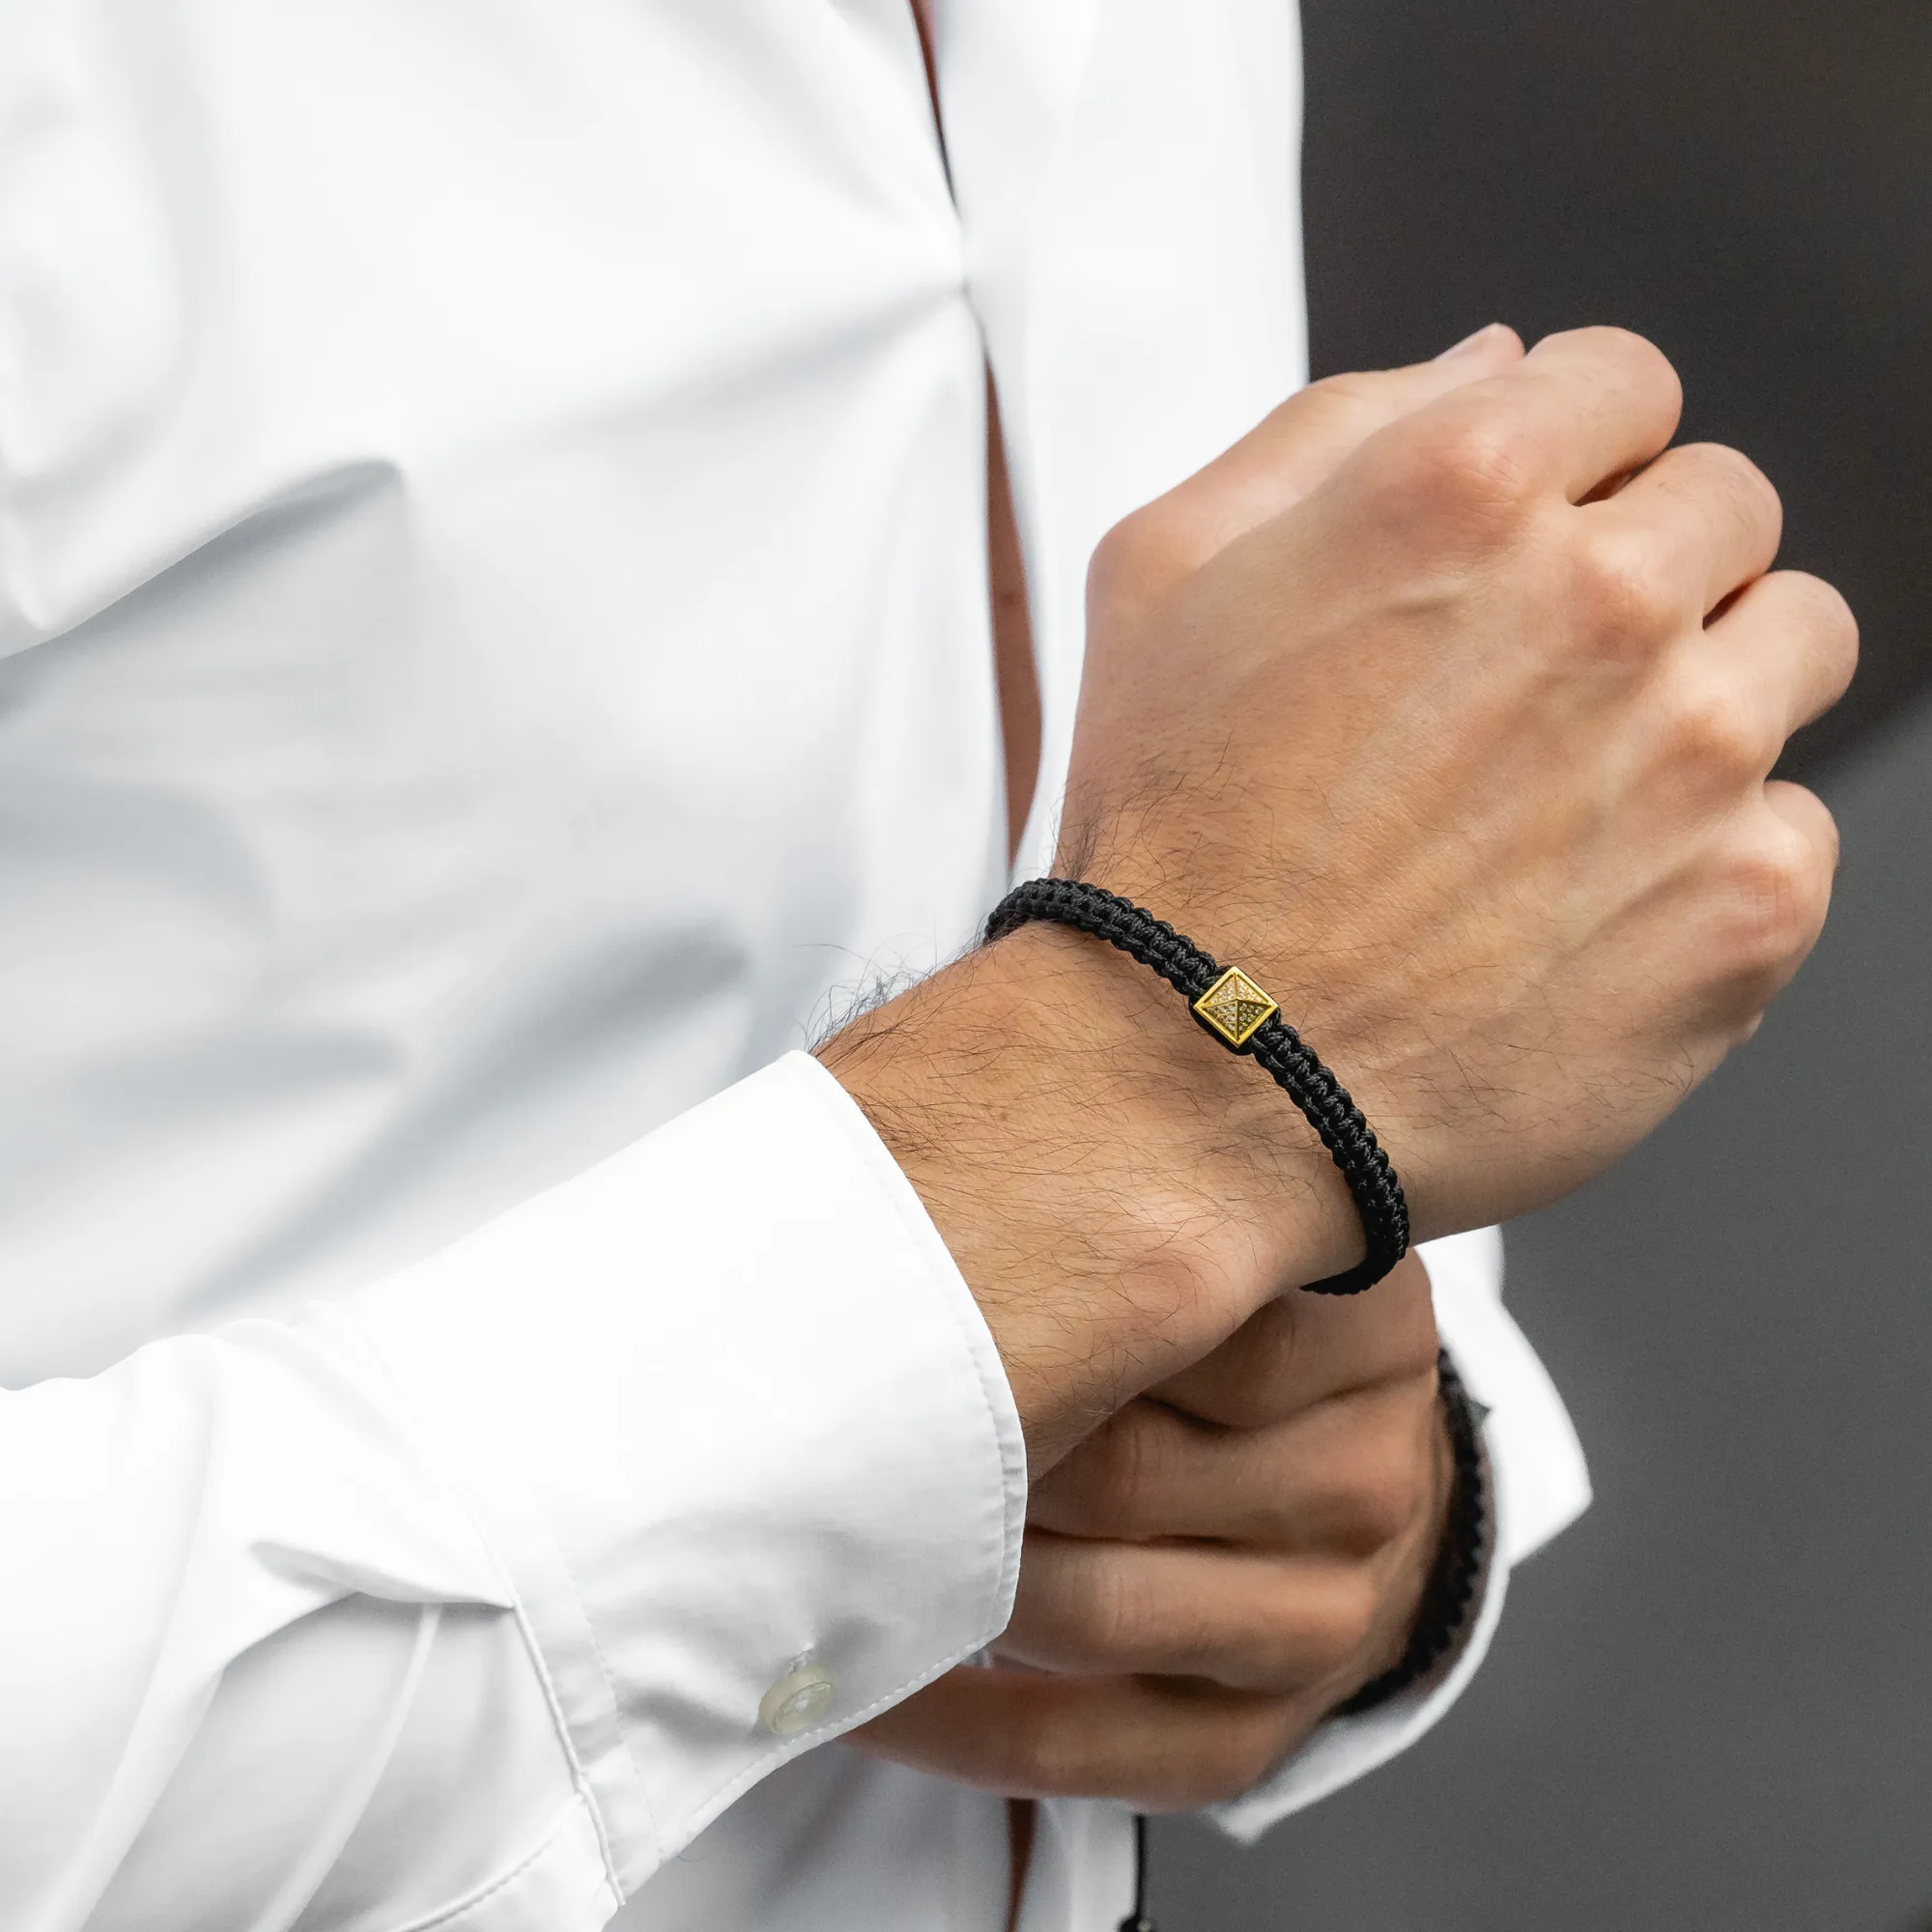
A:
(1235, 1008)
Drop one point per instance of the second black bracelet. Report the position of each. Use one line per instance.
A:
(1243, 1018)
(1441, 1622)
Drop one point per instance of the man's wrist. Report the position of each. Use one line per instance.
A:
(1119, 1193)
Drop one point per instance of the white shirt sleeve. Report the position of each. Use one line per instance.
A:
(1539, 1484)
(473, 1598)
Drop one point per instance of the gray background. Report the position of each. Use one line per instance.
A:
(1710, 1706)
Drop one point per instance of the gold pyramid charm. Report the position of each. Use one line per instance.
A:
(1234, 1007)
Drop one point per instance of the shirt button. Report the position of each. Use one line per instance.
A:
(798, 1699)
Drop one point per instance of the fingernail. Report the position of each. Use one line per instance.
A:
(1469, 344)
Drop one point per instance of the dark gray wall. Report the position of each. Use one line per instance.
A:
(1710, 1706)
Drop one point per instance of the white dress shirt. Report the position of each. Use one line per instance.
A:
(494, 658)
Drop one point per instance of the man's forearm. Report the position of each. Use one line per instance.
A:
(1118, 1191)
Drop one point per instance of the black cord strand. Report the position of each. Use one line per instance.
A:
(1452, 1582)
(1275, 1046)
(1137, 1921)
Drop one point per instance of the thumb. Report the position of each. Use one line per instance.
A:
(1288, 454)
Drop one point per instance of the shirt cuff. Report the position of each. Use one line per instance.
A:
(1539, 1484)
(735, 1425)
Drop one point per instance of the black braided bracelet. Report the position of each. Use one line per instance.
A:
(1452, 1582)
(1235, 1010)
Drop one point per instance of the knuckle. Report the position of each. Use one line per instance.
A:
(1821, 608)
(1127, 1460)
(1250, 1380)
(1048, 1756)
(1348, 387)
(1253, 1393)
(1141, 557)
(1662, 370)
(1344, 1622)
(1416, 1341)
(1636, 353)
(1473, 466)
(1233, 1758)
(1713, 728)
(1777, 888)
(1105, 1620)
(1228, 1750)
(1251, 1755)
(1348, 393)
(1390, 1496)
(1243, 1401)
(1622, 589)
(1751, 495)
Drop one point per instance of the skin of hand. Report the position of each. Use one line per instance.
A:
(1444, 704)
(1502, 660)
(1212, 1570)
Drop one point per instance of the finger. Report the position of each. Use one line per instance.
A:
(1154, 1744)
(1344, 1478)
(1612, 398)
(1808, 816)
(1775, 861)
(1300, 1350)
(1253, 1622)
(1580, 410)
(1792, 640)
(1707, 514)
(1808, 819)
(1269, 470)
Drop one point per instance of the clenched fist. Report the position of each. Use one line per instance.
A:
(1465, 755)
